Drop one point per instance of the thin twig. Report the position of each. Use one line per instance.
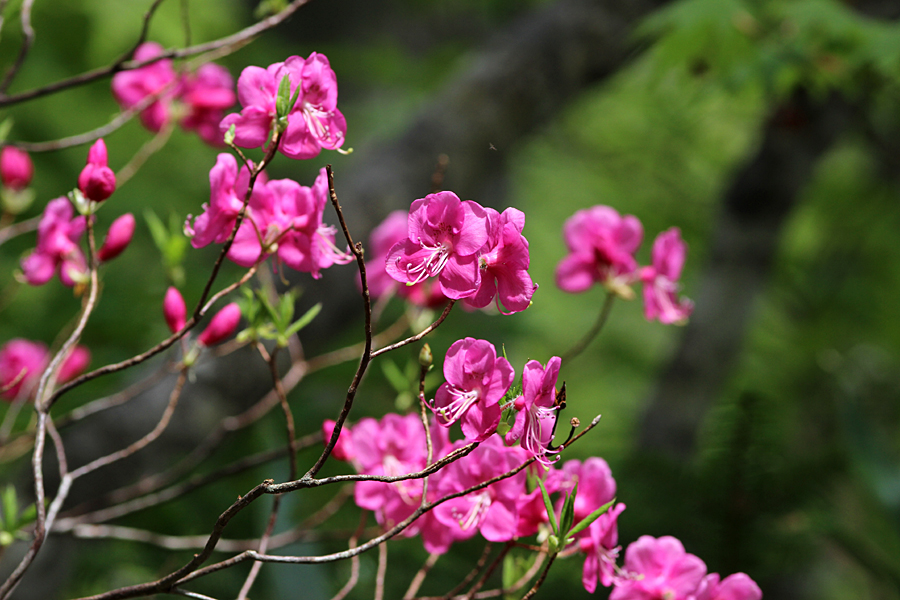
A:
(471, 575)
(579, 347)
(7, 233)
(27, 40)
(537, 584)
(419, 335)
(354, 562)
(380, 572)
(155, 144)
(488, 572)
(419, 578)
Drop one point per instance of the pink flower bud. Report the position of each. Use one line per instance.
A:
(97, 181)
(174, 310)
(221, 326)
(75, 363)
(343, 449)
(117, 238)
(16, 169)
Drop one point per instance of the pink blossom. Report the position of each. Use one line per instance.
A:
(493, 511)
(532, 510)
(503, 263)
(313, 123)
(132, 87)
(288, 217)
(23, 362)
(596, 485)
(57, 246)
(536, 409)
(601, 245)
(601, 549)
(16, 169)
(174, 310)
(221, 326)
(117, 238)
(343, 449)
(97, 181)
(738, 586)
(391, 231)
(659, 569)
(661, 280)
(444, 237)
(207, 94)
(226, 198)
(475, 382)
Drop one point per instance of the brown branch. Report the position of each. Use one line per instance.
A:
(420, 576)
(537, 584)
(7, 233)
(28, 39)
(471, 575)
(419, 335)
(380, 572)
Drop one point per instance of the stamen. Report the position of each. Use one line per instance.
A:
(461, 402)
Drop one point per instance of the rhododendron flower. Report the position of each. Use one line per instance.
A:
(659, 569)
(384, 237)
(117, 238)
(503, 263)
(23, 361)
(536, 409)
(312, 124)
(661, 280)
(601, 245)
(97, 181)
(476, 381)
(596, 485)
(132, 87)
(492, 511)
(16, 169)
(601, 549)
(57, 246)
(226, 197)
(174, 310)
(738, 586)
(343, 449)
(444, 237)
(221, 326)
(207, 94)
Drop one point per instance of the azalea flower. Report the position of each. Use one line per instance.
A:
(661, 280)
(57, 246)
(659, 569)
(536, 409)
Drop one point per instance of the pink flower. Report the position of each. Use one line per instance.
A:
(130, 88)
(596, 486)
(532, 511)
(493, 511)
(57, 246)
(444, 237)
(174, 310)
(601, 249)
(313, 123)
(226, 198)
(288, 216)
(503, 263)
(97, 181)
(117, 238)
(601, 549)
(391, 231)
(343, 449)
(476, 381)
(16, 169)
(661, 280)
(738, 586)
(221, 326)
(536, 408)
(659, 569)
(207, 94)
(22, 362)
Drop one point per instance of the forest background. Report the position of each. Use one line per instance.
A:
(765, 434)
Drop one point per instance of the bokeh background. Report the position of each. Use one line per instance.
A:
(765, 434)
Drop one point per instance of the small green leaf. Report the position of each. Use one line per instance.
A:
(10, 508)
(567, 515)
(586, 522)
(549, 506)
(305, 320)
(5, 127)
(264, 300)
(286, 310)
(229, 135)
(283, 99)
(395, 376)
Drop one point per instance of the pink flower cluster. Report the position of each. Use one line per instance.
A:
(201, 97)
(602, 244)
(23, 361)
(282, 218)
(476, 253)
(313, 123)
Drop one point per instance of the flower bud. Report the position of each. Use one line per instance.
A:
(117, 238)
(425, 356)
(75, 364)
(174, 310)
(221, 326)
(97, 181)
(16, 169)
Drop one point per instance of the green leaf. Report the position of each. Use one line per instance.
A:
(283, 99)
(395, 376)
(5, 127)
(567, 515)
(10, 508)
(549, 506)
(586, 522)
(264, 300)
(305, 320)
(158, 231)
(286, 310)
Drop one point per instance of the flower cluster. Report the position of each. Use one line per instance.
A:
(602, 244)
(476, 253)
(199, 99)
(312, 123)
(282, 217)
(23, 361)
